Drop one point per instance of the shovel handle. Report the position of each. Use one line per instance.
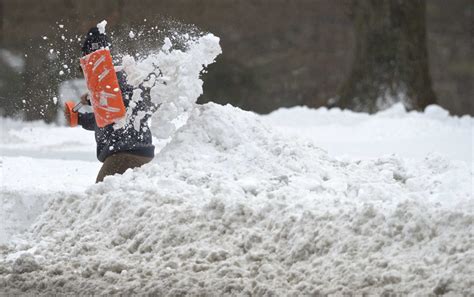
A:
(77, 107)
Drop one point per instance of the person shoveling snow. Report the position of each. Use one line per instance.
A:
(119, 148)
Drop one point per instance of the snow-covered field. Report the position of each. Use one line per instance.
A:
(298, 202)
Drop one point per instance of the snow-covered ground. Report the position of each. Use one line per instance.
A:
(241, 204)
(393, 131)
(299, 202)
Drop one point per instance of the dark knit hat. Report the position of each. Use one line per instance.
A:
(94, 41)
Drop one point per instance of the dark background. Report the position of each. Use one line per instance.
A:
(275, 52)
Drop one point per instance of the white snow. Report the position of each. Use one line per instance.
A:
(101, 26)
(38, 161)
(237, 204)
(173, 76)
(299, 202)
(393, 131)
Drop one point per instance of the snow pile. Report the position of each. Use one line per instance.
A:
(409, 134)
(230, 206)
(173, 75)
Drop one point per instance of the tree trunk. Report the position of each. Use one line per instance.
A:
(391, 57)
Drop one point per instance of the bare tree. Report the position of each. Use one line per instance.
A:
(391, 59)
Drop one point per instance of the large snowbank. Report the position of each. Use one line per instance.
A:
(231, 206)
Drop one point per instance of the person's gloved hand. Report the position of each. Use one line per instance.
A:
(85, 99)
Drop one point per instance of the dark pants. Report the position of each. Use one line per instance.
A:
(119, 163)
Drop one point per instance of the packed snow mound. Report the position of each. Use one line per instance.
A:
(230, 207)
